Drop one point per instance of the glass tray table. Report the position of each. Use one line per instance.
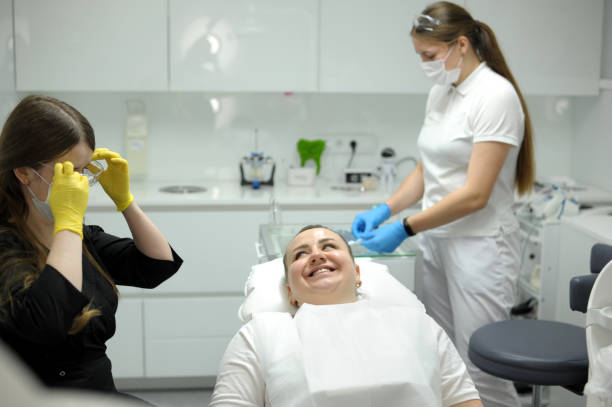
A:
(274, 239)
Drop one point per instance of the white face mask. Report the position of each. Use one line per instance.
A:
(436, 70)
(43, 207)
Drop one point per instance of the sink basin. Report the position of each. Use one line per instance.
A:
(182, 189)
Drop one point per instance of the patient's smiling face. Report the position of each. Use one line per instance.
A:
(320, 269)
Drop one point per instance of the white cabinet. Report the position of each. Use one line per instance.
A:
(126, 347)
(188, 336)
(243, 45)
(217, 246)
(366, 47)
(73, 45)
(181, 328)
(7, 74)
(553, 47)
(571, 248)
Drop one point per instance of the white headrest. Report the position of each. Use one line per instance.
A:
(266, 290)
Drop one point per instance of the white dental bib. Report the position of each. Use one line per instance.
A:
(356, 354)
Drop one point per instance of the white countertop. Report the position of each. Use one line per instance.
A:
(598, 226)
(230, 193)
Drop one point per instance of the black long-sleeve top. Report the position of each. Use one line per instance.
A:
(38, 323)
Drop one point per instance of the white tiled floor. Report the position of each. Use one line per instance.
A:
(175, 398)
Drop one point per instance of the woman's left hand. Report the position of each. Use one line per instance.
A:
(116, 178)
(385, 239)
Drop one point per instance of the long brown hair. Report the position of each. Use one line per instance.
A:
(451, 21)
(38, 130)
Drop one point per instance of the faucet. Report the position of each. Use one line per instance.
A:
(388, 167)
(407, 158)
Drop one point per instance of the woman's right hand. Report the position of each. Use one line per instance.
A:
(366, 221)
(68, 198)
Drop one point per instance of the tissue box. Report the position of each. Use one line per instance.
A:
(301, 176)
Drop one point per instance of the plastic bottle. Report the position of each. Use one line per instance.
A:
(136, 130)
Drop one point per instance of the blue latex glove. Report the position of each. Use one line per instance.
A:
(366, 221)
(386, 238)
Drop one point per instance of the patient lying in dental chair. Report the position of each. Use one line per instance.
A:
(342, 347)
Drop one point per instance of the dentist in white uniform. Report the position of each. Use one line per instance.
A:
(475, 148)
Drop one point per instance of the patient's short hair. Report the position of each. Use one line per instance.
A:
(308, 227)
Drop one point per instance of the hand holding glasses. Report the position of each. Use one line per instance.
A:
(115, 179)
(108, 168)
(68, 198)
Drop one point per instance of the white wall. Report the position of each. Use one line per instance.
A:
(592, 156)
(606, 60)
(188, 141)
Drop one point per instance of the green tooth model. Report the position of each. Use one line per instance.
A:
(311, 149)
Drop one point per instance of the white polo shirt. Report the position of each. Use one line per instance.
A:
(484, 107)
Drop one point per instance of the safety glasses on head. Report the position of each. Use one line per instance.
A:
(424, 22)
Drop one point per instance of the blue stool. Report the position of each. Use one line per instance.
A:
(537, 352)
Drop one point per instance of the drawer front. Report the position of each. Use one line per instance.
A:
(187, 336)
(125, 348)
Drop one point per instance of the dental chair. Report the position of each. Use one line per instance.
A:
(539, 352)
(599, 340)
(265, 289)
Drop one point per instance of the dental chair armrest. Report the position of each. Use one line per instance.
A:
(580, 290)
(601, 254)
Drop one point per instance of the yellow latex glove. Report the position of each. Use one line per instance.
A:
(115, 179)
(68, 198)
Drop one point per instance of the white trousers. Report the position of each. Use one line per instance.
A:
(468, 282)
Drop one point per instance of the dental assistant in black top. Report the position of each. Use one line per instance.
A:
(59, 277)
